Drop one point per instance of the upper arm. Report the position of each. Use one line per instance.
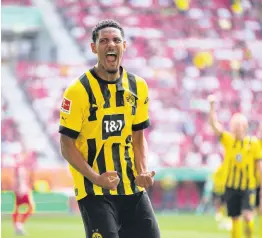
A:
(218, 129)
(137, 137)
(66, 143)
(141, 120)
(72, 111)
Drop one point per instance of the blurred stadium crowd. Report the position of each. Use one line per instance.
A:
(184, 49)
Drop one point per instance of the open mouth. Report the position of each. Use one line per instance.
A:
(111, 56)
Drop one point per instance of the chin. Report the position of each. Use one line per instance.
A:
(112, 71)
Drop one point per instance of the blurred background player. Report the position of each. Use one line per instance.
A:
(242, 153)
(206, 200)
(213, 194)
(259, 184)
(22, 190)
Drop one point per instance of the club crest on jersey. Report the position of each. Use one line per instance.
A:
(96, 234)
(239, 157)
(66, 106)
(130, 98)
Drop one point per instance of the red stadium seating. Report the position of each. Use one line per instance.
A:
(162, 48)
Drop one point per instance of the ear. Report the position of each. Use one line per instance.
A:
(125, 45)
(93, 47)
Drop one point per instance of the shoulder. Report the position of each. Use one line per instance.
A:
(75, 88)
(226, 135)
(137, 79)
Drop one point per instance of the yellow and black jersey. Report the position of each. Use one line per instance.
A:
(101, 116)
(240, 161)
(257, 172)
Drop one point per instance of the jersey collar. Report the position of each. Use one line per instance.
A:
(118, 80)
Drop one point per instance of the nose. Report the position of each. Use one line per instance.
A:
(111, 43)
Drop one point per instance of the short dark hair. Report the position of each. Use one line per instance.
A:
(104, 24)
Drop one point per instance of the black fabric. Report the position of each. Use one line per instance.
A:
(68, 132)
(239, 200)
(118, 80)
(129, 171)
(141, 126)
(119, 216)
(91, 143)
(258, 197)
(92, 100)
(118, 168)
(101, 164)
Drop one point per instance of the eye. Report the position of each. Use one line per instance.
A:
(117, 40)
(103, 41)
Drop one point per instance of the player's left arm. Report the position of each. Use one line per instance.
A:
(140, 147)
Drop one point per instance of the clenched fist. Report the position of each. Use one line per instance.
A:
(108, 180)
(145, 180)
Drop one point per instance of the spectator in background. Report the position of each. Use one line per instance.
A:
(22, 190)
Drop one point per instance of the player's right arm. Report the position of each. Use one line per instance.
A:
(72, 114)
(73, 156)
(214, 123)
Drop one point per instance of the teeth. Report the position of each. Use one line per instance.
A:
(114, 54)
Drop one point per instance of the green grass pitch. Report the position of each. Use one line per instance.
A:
(66, 226)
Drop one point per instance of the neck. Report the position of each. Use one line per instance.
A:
(102, 73)
(239, 137)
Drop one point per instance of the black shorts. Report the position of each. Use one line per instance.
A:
(258, 197)
(238, 200)
(219, 197)
(119, 216)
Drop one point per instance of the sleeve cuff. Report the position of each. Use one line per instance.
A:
(68, 132)
(141, 126)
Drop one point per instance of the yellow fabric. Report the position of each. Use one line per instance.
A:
(260, 226)
(102, 126)
(240, 160)
(237, 6)
(249, 229)
(203, 59)
(182, 5)
(219, 180)
(257, 172)
(236, 229)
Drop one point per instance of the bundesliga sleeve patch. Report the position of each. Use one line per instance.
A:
(66, 106)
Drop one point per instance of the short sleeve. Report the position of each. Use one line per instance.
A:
(226, 139)
(141, 120)
(72, 111)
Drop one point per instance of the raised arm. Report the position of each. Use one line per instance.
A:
(216, 126)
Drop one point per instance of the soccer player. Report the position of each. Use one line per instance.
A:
(242, 155)
(259, 185)
(22, 191)
(103, 115)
